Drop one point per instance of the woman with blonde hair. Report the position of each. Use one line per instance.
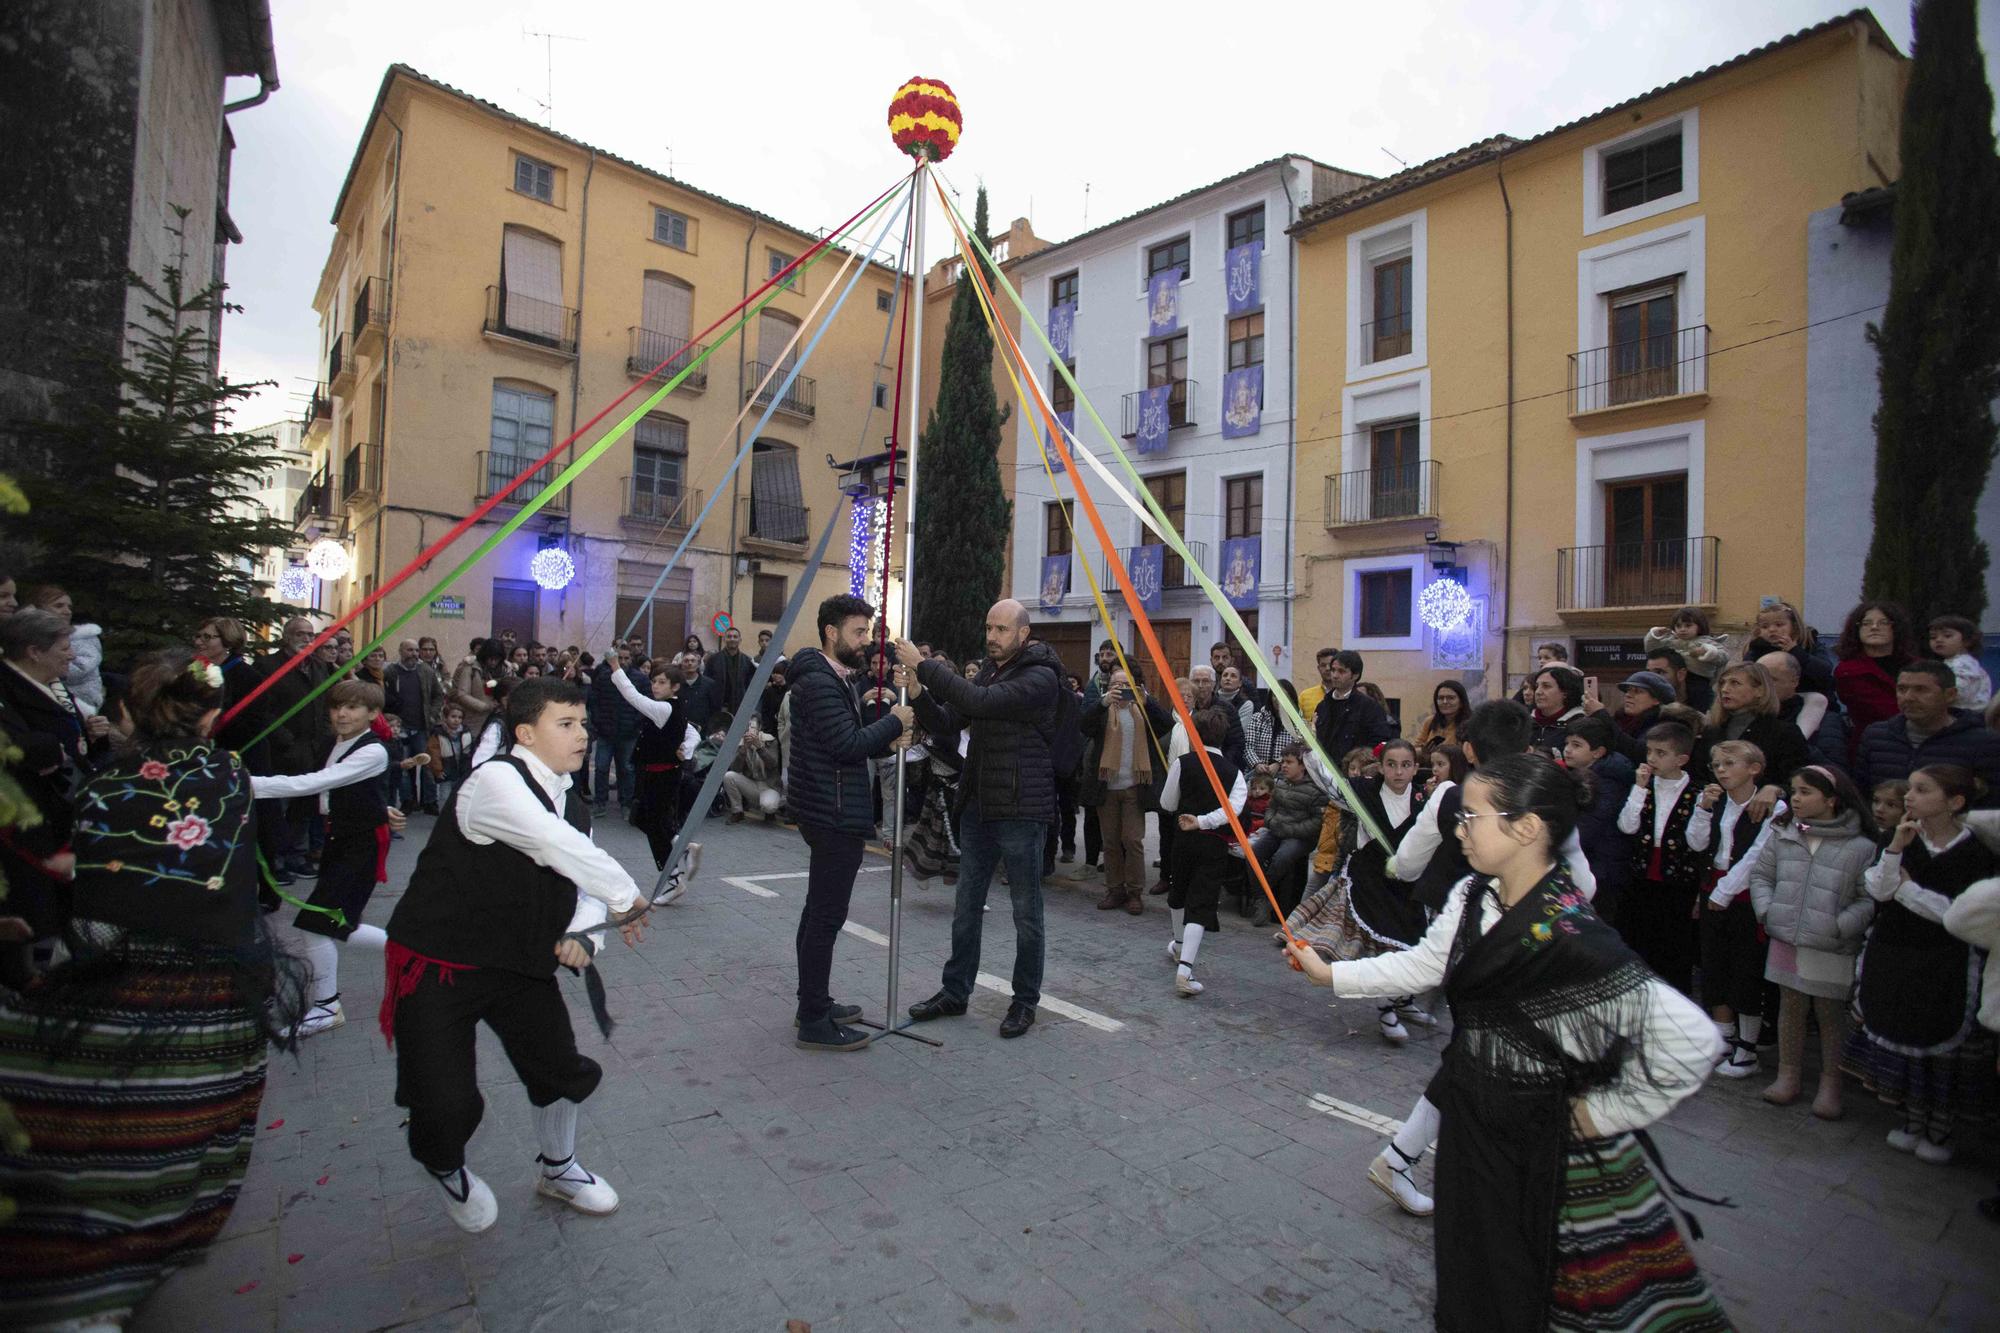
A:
(1746, 709)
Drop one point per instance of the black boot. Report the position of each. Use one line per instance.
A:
(941, 1005)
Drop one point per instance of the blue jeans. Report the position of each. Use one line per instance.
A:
(607, 751)
(982, 845)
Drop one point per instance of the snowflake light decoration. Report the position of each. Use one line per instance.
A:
(1444, 604)
(328, 560)
(295, 584)
(552, 568)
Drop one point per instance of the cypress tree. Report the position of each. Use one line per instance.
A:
(131, 498)
(962, 512)
(1939, 340)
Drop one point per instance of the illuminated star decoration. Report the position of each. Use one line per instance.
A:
(1444, 604)
(295, 583)
(328, 559)
(552, 568)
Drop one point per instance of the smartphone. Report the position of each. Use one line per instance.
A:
(1590, 688)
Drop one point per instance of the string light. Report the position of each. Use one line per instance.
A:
(328, 560)
(1444, 604)
(295, 583)
(552, 568)
(878, 544)
(859, 542)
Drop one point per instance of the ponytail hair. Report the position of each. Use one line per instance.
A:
(1955, 780)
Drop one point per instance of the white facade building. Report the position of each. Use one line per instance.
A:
(1219, 487)
(277, 494)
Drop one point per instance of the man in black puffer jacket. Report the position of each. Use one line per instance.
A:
(831, 794)
(1007, 797)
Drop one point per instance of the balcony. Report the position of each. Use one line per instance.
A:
(493, 471)
(361, 474)
(541, 325)
(661, 356)
(319, 410)
(1180, 407)
(1174, 573)
(796, 402)
(1385, 339)
(1652, 576)
(315, 501)
(340, 365)
(649, 503)
(371, 316)
(1383, 495)
(1665, 365)
(780, 525)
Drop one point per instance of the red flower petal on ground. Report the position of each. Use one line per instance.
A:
(247, 1286)
(322, 1180)
(275, 1124)
(293, 1258)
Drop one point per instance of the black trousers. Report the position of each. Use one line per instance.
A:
(1656, 917)
(1093, 835)
(437, 1076)
(836, 858)
(1197, 869)
(1732, 958)
(658, 810)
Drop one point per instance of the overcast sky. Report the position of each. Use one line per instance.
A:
(782, 106)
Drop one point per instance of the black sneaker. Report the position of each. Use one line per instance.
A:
(1020, 1017)
(826, 1035)
(941, 1005)
(840, 1013)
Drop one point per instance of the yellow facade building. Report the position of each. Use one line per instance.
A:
(491, 286)
(1573, 369)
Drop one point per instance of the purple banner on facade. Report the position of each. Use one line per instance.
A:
(1243, 277)
(1062, 330)
(1055, 582)
(1242, 402)
(1242, 571)
(1153, 418)
(1066, 421)
(1163, 304)
(1147, 565)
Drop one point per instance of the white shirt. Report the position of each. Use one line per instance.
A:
(347, 763)
(656, 711)
(490, 737)
(1395, 806)
(1666, 791)
(1170, 797)
(1887, 879)
(495, 806)
(1680, 1042)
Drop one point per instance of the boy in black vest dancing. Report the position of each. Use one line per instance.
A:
(1200, 857)
(509, 875)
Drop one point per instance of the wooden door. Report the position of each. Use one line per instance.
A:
(1072, 643)
(514, 603)
(1176, 636)
(1170, 491)
(1645, 541)
(1642, 346)
(1395, 471)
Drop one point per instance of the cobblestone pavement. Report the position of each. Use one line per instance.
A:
(1145, 1162)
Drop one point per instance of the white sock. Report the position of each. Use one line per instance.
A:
(1190, 944)
(322, 955)
(369, 937)
(1175, 917)
(555, 1134)
(1417, 1132)
(1749, 1028)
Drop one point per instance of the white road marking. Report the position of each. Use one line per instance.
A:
(750, 885)
(872, 936)
(1352, 1114)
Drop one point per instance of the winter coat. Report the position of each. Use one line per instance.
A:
(759, 763)
(295, 745)
(1815, 900)
(1608, 850)
(1867, 688)
(1974, 916)
(1705, 654)
(611, 718)
(1343, 724)
(731, 675)
(702, 700)
(828, 783)
(1550, 735)
(430, 693)
(1009, 714)
(1783, 746)
(1092, 722)
(85, 677)
(1886, 751)
(469, 692)
(1296, 810)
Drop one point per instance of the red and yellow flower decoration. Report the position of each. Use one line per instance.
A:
(924, 119)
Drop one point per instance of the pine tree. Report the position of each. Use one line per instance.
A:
(131, 501)
(1939, 340)
(962, 512)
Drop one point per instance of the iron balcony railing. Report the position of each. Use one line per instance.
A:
(315, 501)
(494, 470)
(1180, 407)
(319, 407)
(1385, 338)
(1679, 571)
(339, 363)
(1382, 494)
(1661, 365)
(361, 474)
(647, 501)
(371, 307)
(1174, 573)
(797, 399)
(525, 319)
(669, 354)
(765, 520)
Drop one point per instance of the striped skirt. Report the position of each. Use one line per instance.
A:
(1620, 1260)
(137, 1140)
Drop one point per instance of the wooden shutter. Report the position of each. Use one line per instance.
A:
(668, 307)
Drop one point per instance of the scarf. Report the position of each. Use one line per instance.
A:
(1118, 721)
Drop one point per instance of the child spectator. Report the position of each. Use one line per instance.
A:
(1781, 629)
(1704, 651)
(1954, 641)
(1657, 916)
(1732, 952)
(1201, 845)
(1919, 1046)
(1591, 743)
(1354, 764)
(1258, 805)
(451, 752)
(1291, 826)
(1886, 802)
(1806, 887)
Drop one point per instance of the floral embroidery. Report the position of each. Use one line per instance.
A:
(153, 770)
(188, 832)
(173, 807)
(140, 821)
(1559, 915)
(214, 882)
(157, 821)
(114, 866)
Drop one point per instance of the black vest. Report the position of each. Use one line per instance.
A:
(657, 745)
(488, 906)
(359, 807)
(1680, 864)
(1197, 796)
(1741, 840)
(1448, 864)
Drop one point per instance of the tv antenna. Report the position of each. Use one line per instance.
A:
(547, 102)
(1086, 203)
(1397, 160)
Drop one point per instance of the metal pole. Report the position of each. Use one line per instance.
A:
(892, 1019)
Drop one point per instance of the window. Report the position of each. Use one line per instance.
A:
(1246, 341)
(531, 287)
(670, 228)
(767, 596)
(1243, 507)
(779, 262)
(1643, 354)
(522, 430)
(659, 462)
(777, 503)
(666, 308)
(534, 179)
(1642, 173)
(1645, 541)
(881, 394)
(776, 345)
(1246, 227)
(1062, 398)
(1388, 333)
(1167, 255)
(1395, 470)
(1055, 531)
(884, 300)
(1384, 610)
(1062, 288)
(1170, 492)
(1166, 363)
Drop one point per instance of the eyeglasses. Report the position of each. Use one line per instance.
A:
(1465, 817)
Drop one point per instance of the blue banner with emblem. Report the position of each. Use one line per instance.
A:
(1242, 571)
(1147, 566)
(1055, 582)
(1154, 408)
(1243, 277)
(1242, 402)
(1066, 422)
(1062, 330)
(1163, 304)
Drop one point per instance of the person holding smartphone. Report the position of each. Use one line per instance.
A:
(1122, 767)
